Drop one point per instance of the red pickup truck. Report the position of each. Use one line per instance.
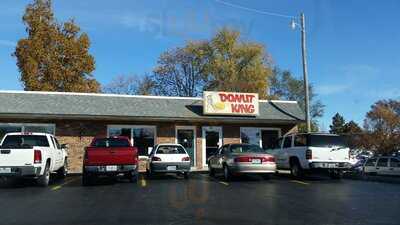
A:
(110, 157)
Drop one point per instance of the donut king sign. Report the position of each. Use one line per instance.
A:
(230, 103)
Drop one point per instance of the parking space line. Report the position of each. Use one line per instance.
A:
(143, 182)
(224, 183)
(299, 182)
(63, 184)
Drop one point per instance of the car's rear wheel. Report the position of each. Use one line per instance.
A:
(87, 179)
(211, 170)
(296, 170)
(227, 173)
(63, 171)
(44, 180)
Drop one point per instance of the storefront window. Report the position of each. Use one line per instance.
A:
(141, 137)
(25, 127)
(250, 135)
(4, 129)
(49, 129)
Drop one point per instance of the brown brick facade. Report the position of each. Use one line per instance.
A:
(78, 134)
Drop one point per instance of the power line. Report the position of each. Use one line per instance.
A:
(254, 10)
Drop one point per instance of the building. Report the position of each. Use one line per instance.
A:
(75, 118)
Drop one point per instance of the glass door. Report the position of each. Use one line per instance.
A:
(186, 136)
(212, 140)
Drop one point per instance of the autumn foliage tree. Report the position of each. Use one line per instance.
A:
(382, 125)
(54, 56)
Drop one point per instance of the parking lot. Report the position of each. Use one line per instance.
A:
(202, 200)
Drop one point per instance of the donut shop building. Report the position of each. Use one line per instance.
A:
(200, 124)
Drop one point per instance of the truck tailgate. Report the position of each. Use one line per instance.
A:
(111, 156)
(330, 154)
(16, 157)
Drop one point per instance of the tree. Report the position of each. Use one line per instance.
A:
(179, 72)
(283, 85)
(130, 85)
(236, 65)
(224, 63)
(338, 124)
(352, 127)
(54, 56)
(382, 125)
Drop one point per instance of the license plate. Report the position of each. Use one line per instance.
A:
(171, 167)
(256, 161)
(111, 168)
(5, 170)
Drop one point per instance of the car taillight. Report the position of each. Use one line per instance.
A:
(187, 158)
(243, 159)
(308, 154)
(268, 159)
(37, 156)
(155, 158)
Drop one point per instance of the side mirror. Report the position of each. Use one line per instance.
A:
(64, 146)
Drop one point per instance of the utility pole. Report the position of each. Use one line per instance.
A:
(305, 75)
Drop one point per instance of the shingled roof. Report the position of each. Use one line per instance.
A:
(30, 104)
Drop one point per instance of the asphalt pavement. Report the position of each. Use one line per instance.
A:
(202, 200)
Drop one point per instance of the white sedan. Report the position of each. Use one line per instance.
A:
(168, 158)
(384, 165)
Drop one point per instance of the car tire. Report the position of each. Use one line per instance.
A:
(211, 171)
(296, 170)
(149, 174)
(186, 175)
(227, 173)
(44, 180)
(86, 179)
(63, 171)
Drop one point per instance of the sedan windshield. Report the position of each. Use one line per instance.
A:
(245, 148)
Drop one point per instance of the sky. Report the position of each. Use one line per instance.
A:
(352, 45)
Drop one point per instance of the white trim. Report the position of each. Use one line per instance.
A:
(96, 94)
(194, 140)
(133, 127)
(23, 125)
(260, 129)
(203, 140)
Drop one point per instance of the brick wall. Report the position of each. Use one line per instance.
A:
(78, 134)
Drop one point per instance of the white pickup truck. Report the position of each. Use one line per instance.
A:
(32, 155)
(311, 152)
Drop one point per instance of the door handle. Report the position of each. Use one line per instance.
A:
(377, 168)
(391, 169)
